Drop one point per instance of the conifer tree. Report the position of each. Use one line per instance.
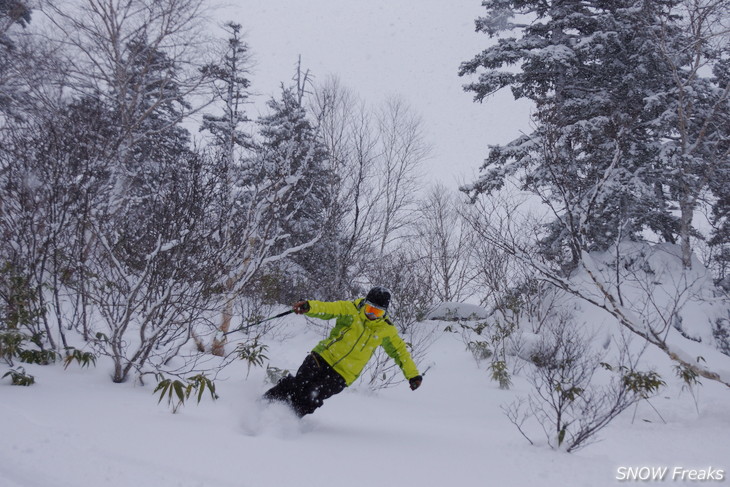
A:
(290, 150)
(627, 127)
(588, 67)
(720, 184)
(230, 87)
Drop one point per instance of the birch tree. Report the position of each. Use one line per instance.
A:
(403, 149)
(347, 130)
(446, 245)
(376, 155)
(140, 58)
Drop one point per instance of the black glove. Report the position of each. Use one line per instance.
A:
(301, 307)
(415, 382)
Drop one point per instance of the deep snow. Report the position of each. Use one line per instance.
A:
(76, 428)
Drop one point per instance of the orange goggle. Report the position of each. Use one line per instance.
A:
(372, 311)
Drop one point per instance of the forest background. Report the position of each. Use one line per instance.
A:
(147, 209)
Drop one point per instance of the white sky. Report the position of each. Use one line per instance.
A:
(378, 48)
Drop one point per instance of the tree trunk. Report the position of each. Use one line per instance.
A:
(686, 207)
(218, 347)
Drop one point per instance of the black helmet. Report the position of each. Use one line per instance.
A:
(379, 296)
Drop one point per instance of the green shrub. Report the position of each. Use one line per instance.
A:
(644, 384)
(11, 344)
(19, 377)
(40, 357)
(252, 352)
(84, 359)
(20, 316)
(177, 391)
(500, 374)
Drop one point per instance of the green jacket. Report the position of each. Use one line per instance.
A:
(354, 339)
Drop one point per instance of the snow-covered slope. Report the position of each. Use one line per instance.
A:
(76, 428)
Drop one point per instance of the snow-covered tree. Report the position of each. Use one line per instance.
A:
(140, 57)
(12, 14)
(123, 195)
(627, 124)
(230, 86)
(290, 150)
(693, 112)
(149, 237)
(617, 95)
(589, 67)
(229, 141)
(289, 145)
(53, 180)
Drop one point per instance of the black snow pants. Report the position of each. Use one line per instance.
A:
(315, 381)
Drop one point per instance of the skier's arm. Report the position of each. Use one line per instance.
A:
(396, 348)
(328, 310)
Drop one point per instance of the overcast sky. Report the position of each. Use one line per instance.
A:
(378, 48)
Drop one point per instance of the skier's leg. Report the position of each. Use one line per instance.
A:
(319, 382)
(282, 391)
(290, 389)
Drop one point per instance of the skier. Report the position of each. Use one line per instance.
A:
(361, 326)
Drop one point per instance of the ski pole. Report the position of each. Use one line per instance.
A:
(243, 328)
